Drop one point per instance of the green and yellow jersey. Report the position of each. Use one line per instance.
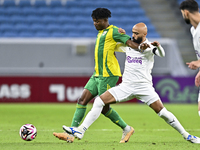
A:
(106, 64)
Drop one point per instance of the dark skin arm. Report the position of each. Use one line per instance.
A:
(132, 44)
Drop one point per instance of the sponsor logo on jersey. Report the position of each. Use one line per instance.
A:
(134, 60)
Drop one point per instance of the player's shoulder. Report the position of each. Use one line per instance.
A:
(147, 41)
(114, 27)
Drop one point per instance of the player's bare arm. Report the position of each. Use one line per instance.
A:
(193, 64)
(132, 44)
(129, 42)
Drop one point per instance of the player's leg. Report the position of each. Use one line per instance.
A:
(158, 107)
(119, 93)
(88, 94)
(81, 107)
(115, 118)
(92, 115)
(104, 85)
(199, 107)
(150, 97)
(199, 102)
(78, 116)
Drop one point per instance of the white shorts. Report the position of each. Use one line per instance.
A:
(142, 91)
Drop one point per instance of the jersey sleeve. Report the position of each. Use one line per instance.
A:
(120, 47)
(154, 50)
(120, 37)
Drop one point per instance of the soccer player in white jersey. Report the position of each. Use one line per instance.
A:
(136, 83)
(191, 15)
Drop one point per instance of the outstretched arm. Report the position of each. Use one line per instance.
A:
(194, 64)
(134, 45)
(159, 51)
(141, 47)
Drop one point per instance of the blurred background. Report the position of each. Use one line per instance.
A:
(47, 47)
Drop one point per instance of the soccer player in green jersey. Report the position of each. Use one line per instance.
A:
(106, 74)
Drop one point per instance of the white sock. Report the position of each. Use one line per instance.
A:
(82, 128)
(127, 128)
(171, 120)
(94, 113)
(199, 113)
(185, 135)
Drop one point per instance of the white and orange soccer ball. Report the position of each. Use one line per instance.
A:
(28, 132)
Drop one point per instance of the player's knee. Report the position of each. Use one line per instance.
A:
(85, 98)
(98, 102)
(105, 109)
(82, 101)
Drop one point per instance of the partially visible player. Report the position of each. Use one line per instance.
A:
(107, 71)
(191, 15)
(136, 83)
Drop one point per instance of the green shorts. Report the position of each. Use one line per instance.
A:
(98, 85)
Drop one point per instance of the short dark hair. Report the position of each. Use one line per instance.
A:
(101, 13)
(190, 5)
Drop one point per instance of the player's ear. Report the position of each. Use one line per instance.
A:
(106, 19)
(186, 12)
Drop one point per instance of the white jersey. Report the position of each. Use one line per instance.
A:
(138, 66)
(196, 43)
(196, 39)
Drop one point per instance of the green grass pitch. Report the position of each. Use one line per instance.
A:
(151, 132)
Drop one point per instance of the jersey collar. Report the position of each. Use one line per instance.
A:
(194, 31)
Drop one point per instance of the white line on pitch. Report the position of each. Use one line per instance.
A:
(144, 130)
(111, 130)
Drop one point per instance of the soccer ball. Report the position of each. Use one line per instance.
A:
(28, 132)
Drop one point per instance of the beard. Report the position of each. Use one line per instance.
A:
(187, 20)
(139, 40)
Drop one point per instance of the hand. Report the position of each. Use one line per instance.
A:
(197, 79)
(155, 43)
(120, 30)
(143, 46)
(193, 65)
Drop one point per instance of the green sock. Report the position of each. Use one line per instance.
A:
(115, 118)
(78, 115)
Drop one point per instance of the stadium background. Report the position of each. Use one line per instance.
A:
(47, 47)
